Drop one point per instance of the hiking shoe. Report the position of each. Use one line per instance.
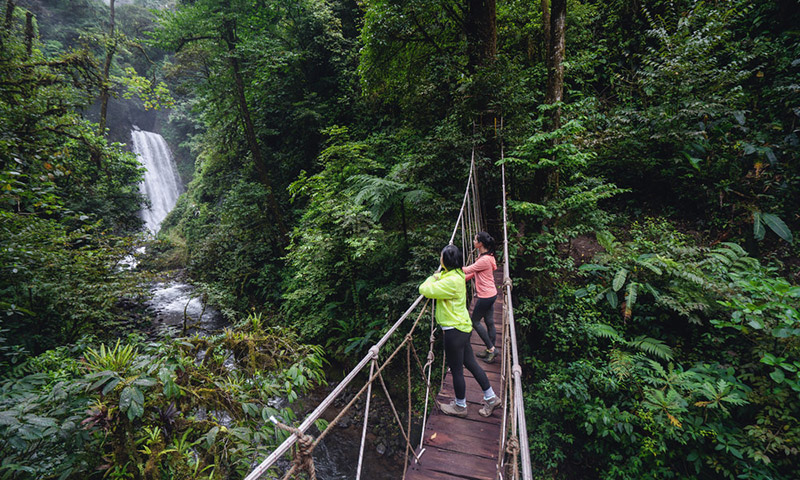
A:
(489, 358)
(489, 406)
(453, 409)
(482, 353)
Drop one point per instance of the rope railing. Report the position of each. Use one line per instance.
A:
(469, 222)
(516, 444)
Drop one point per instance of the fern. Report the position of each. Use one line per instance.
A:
(718, 394)
(652, 346)
(648, 345)
(602, 330)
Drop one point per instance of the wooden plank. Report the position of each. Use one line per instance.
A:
(429, 475)
(465, 436)
(458, 465)
(471, 427)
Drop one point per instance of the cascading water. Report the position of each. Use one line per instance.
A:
(173, 303)
(161, 184)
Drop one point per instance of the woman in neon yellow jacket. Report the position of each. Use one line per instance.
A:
(450, 292)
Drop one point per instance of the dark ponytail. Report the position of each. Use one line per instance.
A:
(487, 241)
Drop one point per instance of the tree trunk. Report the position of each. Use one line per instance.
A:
(546, 31)
(480, 26)
(546, 181)
(10, 6)
(249, 130)
(555, 60)
(111, 48)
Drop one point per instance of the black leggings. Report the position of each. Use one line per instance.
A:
(459, 355)
(484, 308)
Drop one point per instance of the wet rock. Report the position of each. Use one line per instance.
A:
(344, 422)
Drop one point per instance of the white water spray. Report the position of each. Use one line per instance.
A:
(161, 183)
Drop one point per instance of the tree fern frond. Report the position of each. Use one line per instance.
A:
(735, 248)
(602, 330)
(417, 196)
(652, 346)
(649, 264)
(657, 369)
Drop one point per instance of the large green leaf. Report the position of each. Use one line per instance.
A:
(777, 226)
(758, 226)
(612, 298)
(619, 279)
(131, 400)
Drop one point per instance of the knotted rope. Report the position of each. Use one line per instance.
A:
(512, 448)
(303, 454)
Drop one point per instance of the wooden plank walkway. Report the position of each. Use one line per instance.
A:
(465, 448)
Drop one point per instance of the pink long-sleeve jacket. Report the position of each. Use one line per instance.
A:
(482, 270)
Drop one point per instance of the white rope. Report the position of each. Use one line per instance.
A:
(429, 363)
(516, 369)
(366, 419)
(466, 193)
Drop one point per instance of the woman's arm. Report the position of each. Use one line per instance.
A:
(480, 264)
(434, 287)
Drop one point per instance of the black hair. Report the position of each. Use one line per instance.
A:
(451, 257)
(487, 241)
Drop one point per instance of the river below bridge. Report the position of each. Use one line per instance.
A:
(336, 457)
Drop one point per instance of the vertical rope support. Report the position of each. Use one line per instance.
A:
(476, 203)
(463, 244)
(505, 376)
(429, 362)
(469, 221)
(519, 440)
(408, 420)
(366, 418)
(466, 193)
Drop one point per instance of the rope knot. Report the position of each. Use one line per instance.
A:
(303, 456)
(512, 447)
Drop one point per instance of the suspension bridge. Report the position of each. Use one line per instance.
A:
(476, 448)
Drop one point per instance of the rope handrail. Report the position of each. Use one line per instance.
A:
(520, 436)
(372, 354)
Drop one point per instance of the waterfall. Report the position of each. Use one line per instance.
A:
(161, 183)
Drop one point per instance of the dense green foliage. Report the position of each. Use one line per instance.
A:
(653, 238)
(67, 195)
(189, 408)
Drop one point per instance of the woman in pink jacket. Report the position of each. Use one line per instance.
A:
(486, 291)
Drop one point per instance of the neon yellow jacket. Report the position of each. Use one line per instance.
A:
(450, 291)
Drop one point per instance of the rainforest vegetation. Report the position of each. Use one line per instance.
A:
(653, 157)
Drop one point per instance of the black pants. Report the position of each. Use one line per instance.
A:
(459, 355)
(484, 308)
